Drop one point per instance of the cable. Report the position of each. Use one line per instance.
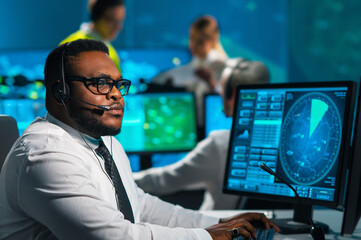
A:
(96, 156)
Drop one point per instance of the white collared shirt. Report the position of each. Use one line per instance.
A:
(54, 186)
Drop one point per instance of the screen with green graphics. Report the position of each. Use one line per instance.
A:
(159, 122)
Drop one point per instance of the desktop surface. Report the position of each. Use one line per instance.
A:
(330, 216)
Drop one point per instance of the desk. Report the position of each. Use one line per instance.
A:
(332, 218)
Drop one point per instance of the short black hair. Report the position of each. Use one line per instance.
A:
(70, 50)
(100, 6)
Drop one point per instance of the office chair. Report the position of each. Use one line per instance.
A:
(9, 133)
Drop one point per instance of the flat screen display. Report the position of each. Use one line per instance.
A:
(214, 117)
(300, 131)
(159, 122)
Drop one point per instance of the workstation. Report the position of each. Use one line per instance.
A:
(267, 121)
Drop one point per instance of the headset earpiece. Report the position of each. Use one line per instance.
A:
(61, 90)
(59, 94)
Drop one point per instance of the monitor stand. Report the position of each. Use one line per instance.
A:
(300, 222)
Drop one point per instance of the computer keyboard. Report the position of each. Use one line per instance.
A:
(262, 234)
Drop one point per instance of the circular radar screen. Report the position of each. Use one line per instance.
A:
(310, 139)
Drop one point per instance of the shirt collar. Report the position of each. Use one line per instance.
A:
(81, 138)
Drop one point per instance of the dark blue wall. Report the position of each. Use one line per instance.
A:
(38, 24)
(155, 33)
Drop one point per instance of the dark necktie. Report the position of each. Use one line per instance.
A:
(110, 167)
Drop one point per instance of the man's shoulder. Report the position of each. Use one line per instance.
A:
(174, 73)
(216, 140)
(42, 125)
(43, 134)
(180, 70)
(38, 140)
(219, 134)
(219, 138)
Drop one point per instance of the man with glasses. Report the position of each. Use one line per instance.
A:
(66, 177)
(107, 18)
(103, 85)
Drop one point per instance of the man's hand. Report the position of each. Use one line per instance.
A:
(242, 222)
(223, 230)
(258, 218)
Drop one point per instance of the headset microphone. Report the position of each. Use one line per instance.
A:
(102, 107)
(316, 232)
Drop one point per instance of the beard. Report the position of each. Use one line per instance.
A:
(90, 124)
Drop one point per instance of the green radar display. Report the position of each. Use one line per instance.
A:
(310, 138)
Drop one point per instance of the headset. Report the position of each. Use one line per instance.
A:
(61, 91)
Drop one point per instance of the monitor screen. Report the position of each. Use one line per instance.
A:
(214, 117)
(300, 131)
(159, 122)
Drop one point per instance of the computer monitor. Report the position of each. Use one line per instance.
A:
(159, 122)
(352, 205)
(214, 117)
(302, 132)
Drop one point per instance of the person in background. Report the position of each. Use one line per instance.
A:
(208, 61)
(205, 165)
(67, 177)
(107, 18)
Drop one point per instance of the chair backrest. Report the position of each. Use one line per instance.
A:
(9, 133)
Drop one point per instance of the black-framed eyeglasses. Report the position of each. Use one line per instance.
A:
(103, 85)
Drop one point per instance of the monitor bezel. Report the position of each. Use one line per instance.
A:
(352, 204)
(195, 115)
(344, 147)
